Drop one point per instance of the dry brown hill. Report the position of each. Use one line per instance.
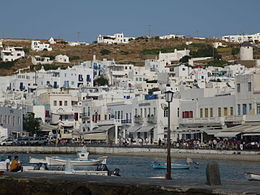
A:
(135, 52)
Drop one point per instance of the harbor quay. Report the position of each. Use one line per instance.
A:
(138, 151)
(40, 183)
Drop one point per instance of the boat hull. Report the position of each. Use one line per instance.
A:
(52, 161)
(253, 176)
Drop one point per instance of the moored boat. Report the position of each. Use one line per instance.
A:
(253, 176)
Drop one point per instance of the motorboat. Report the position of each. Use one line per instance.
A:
(81, 160)
(253, 176)
(173, 166)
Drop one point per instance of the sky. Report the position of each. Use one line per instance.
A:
(83, 20)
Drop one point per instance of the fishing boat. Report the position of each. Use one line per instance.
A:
(173, 166)
(253, 176)
(81, 160)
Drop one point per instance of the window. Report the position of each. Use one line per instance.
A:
(231, 111)
(65, 103)
(206, 112)
(60, 103)
(238, 88)
(211, 112)
(219, 112)
(250, 106)
(201, 113)
(225, 111)
(249, 86)
(141, 112)
(145, 112)
(55, 103)
(244, 109)
(238, 109)
(257, 108)
(178, 112)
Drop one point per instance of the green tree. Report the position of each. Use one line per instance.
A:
(105, 52)
(100, 81)
(31, 124)
(185, 59)
(235, 51)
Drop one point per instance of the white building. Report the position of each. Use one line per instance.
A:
(218, 44)
(62, 59)
(1, 43)
(111, 39)
(246, 51)
(41, 60)
(51, 40)
(171, 36)
(175, 56)
(38, 46)
(255, 38)
(12, 53)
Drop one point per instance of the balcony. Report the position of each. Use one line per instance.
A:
(202, 121)
(138, 119)
(126, 121)
(67, 123)
(151, 119)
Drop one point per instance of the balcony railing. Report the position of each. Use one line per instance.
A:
(202, 120)
(151, 119)
(138, 119)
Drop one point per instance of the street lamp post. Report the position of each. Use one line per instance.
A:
(168, 98)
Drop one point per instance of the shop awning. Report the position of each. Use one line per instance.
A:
(95, 136)
(251, 134)
(133, 129)
(145, 129)
(227, 134)
(102, 129)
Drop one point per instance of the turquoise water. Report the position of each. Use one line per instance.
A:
(141, 167)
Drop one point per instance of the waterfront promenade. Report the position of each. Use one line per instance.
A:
(138, 151)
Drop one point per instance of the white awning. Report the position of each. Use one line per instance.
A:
(227, 134)
(251, 134)
(133, 129)
(103, 128)
(145, 129)
(211, 132)
(95, 136)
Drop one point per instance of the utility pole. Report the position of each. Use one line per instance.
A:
(149, 31)
(78, 35)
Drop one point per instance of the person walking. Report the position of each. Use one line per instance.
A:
(7, 163)
(16, 165)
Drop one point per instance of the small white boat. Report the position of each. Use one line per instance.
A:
(253, 176)
(81, 160)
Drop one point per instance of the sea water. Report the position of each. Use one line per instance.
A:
(141, 167)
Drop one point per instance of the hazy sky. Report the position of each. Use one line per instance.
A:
(64, 18)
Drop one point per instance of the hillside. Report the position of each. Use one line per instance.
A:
(135, 52)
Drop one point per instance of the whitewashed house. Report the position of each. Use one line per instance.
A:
(36, 60)
(111, 39)
(51, 40)
(38, 46)
(62, 59)
(255, 38)
(1, 43)
(12, 53)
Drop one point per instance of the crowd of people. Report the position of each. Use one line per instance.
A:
(13, 165)
(217, 144)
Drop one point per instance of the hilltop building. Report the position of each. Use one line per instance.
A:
(38, 46)
(111, 39)
(12, 53)
(254, 38)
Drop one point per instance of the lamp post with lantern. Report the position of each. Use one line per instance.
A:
(168, 98)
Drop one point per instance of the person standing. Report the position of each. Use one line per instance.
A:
(7, 163)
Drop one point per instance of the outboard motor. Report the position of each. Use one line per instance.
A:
(116, 172)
